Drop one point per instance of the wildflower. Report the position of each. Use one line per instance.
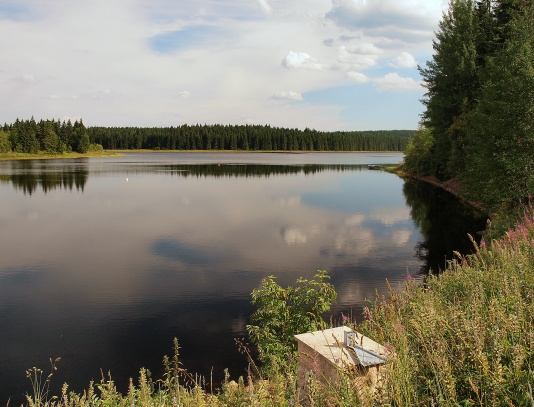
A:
(367, 314)
(409, 276)
(344, 318)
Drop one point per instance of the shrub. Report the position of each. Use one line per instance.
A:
(284, 312)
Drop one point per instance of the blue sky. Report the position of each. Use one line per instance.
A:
(323, 64)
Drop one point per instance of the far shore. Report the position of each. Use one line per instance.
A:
(117, 153)
(45, 156)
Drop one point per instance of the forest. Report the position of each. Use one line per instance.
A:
(54, 136)
(478, 127)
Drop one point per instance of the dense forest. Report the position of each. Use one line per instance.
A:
(54, 136)
(478, 127)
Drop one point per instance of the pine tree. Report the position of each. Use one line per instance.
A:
(451, 82)
(501, 127)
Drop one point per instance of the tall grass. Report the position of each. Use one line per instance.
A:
(463, 338)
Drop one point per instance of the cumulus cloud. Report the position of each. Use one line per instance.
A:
(103, 94)
(265, 7)
(28, 77)
(301, 60)
(358, 77)
(361, 56)
(413, 18)
(146, 56)
(404, 60)
(287, 95)
(328, 42)
(392, 81)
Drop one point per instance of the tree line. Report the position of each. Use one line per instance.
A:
(53, 136)
(246, 137)
(50, 136)
(478, 126)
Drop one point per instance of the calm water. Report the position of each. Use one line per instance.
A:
(104, 261)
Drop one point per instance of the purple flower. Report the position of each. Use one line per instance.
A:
(344, 318)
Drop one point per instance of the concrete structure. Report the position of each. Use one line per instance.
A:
(325, 356)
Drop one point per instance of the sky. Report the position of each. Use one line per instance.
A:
(321, 64)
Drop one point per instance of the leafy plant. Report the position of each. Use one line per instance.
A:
(283, 312)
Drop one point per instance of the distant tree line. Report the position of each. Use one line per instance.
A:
(478, 127)
(56, 137)
(246, 137)
(50, 136)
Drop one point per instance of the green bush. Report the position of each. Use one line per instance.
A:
(5, 145)
(418, 152)
(284, 312)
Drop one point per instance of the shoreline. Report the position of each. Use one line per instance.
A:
(11, 156)
(452, 186)
(25, 156)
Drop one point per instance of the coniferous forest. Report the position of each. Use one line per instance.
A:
(54, 136)
(478, 127)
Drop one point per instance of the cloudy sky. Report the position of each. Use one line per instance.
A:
(323, 64)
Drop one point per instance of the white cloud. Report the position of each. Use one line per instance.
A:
(392, 81)
(362, 56)
(265, 7)
(134, 63)
(287, 95)
(301, 60)
(408, 19)
(404, 60)
(28, 77)
(358, 77)
(103, 94)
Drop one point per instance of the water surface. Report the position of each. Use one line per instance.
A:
(104, 261)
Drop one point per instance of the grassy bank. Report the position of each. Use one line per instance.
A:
(46, 156)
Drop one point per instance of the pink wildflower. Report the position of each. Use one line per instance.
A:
(344, 318)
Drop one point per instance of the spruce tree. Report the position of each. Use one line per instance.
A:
(501, 127)
(451, 82)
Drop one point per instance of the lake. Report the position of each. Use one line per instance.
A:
(103, 261)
